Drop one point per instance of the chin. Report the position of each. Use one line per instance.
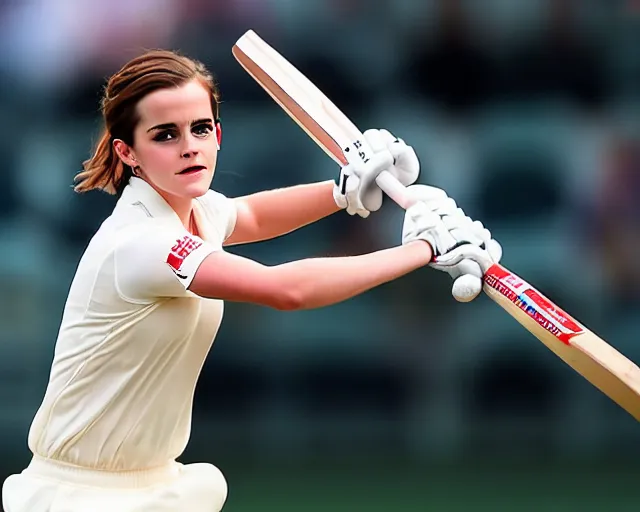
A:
(196, 190)
(199, 187)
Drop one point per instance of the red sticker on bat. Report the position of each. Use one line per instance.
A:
(532, 302)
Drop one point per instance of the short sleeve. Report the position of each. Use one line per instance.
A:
(157, 263)
(221, 211)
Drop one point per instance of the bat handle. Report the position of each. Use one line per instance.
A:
(394, 189)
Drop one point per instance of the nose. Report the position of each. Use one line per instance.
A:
(189, 153)
(189, 148)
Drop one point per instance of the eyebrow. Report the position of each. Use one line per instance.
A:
(173, 125)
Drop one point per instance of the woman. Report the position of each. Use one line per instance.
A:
(147, 298)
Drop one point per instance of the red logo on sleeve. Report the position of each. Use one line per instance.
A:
(182, 248)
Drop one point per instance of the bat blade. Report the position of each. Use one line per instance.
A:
(297, 95)
(593, 358)
(588, 354)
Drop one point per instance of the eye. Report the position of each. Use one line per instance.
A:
(164, 135)
(203, 130)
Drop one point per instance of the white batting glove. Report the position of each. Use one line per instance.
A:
(473, 250)
(357, 191)
(461, 226)
(421, 223)
(357, 180)
(406, 166)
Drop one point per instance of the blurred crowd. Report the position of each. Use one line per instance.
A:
(526, 112)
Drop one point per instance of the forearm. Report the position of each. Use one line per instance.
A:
(319, 282)
(273, 213)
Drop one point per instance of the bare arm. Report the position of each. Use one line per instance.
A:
(273, 213)
(305, 284)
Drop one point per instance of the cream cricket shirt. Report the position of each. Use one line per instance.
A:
(133, 339)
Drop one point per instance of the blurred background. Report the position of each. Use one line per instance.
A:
(525, 111)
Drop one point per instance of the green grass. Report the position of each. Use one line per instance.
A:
(374, 489)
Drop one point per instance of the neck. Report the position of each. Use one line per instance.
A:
(183, 206)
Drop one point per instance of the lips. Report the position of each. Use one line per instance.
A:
(193, 169)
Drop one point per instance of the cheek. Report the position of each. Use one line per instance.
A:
(211, 152)
(159, 159)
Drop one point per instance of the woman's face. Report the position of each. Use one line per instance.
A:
(175, 145)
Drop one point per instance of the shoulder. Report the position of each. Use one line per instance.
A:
(157, 260)
(148, 232)
(215, 201)
(221, 211)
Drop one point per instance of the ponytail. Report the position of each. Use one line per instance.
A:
(104, 170)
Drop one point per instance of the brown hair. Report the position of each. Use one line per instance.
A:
(151, 71)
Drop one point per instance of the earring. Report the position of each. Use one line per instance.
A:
(134, 168)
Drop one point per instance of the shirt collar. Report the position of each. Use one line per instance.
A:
(139, 192)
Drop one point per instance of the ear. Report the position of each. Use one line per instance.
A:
(218, 125)
(125, 153)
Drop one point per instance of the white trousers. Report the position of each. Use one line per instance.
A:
(47, 486)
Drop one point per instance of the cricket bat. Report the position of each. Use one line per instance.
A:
(589, 355)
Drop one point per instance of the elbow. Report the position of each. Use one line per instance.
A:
(287, 290)
(288, 300)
